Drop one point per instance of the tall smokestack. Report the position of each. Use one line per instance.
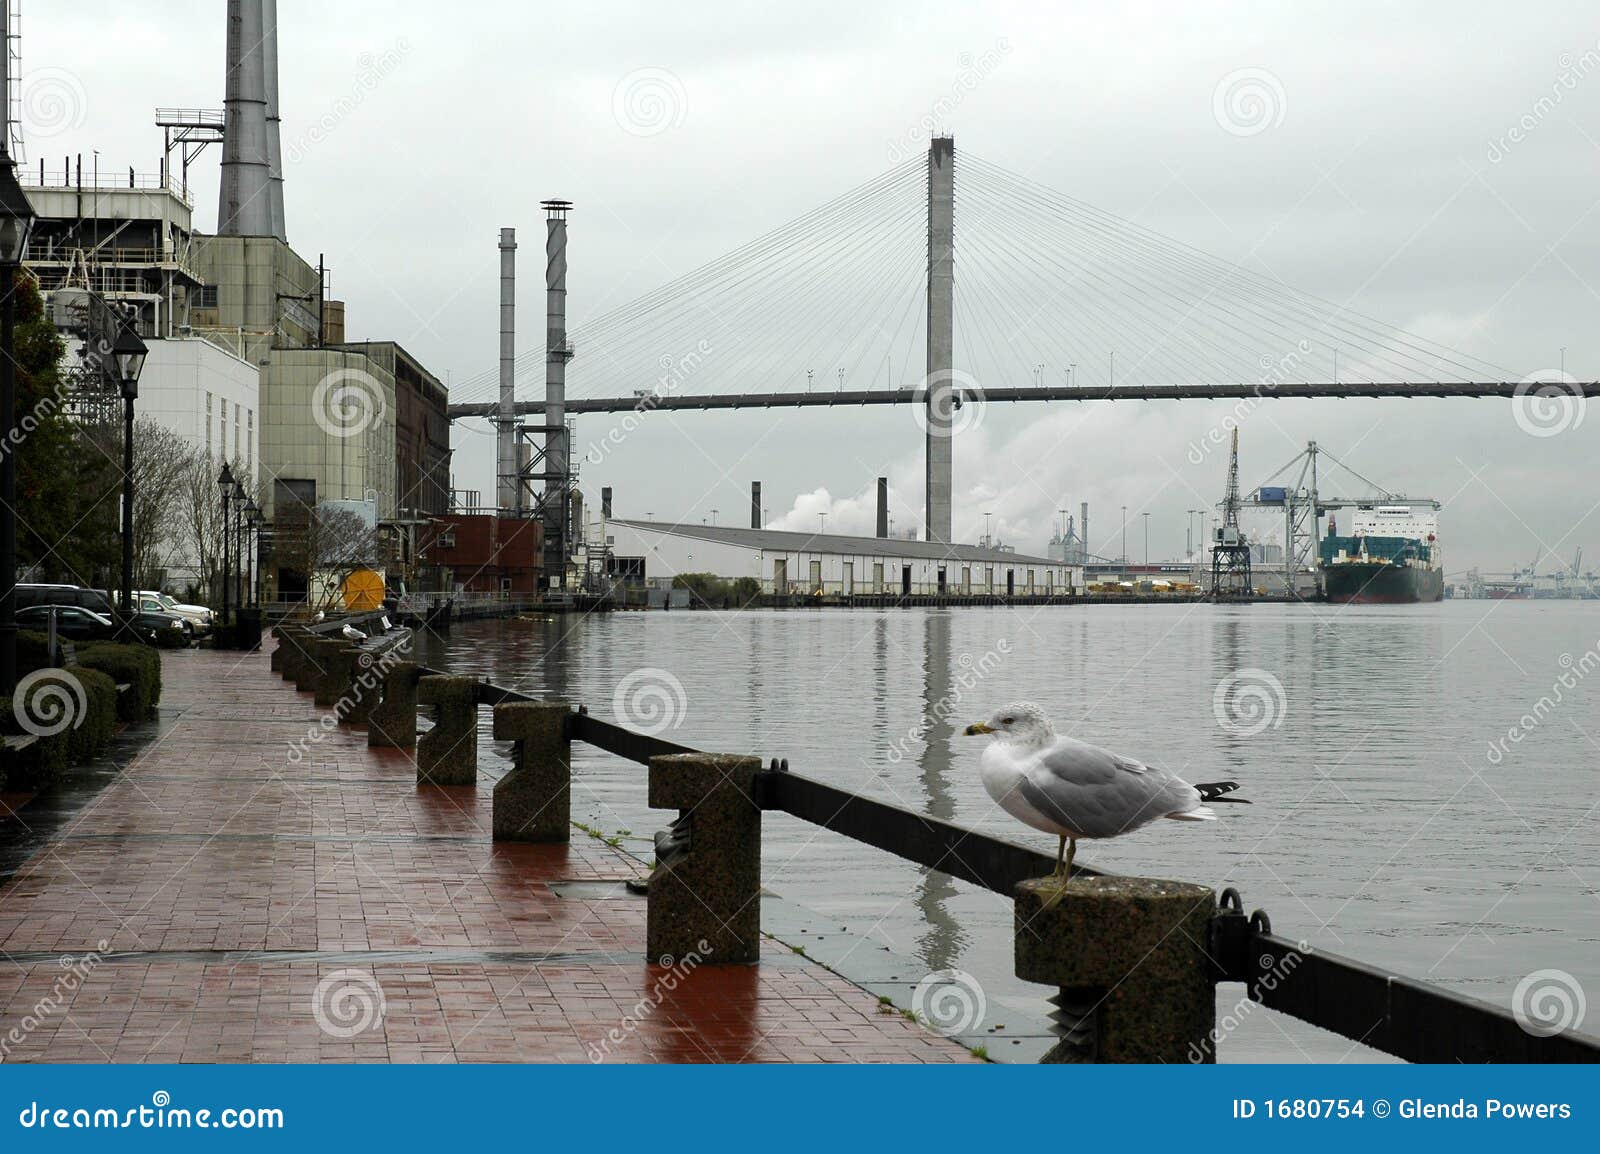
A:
(269, 62)
(883, 506)
(755, 504)
(557, 354)
(245, 205)
(508, 492)
(605, 503)
(1083, 528)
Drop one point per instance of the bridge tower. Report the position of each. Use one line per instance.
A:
(940, 398)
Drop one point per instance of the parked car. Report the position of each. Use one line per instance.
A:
(90, 599)
(200, 616)
(166, 630)
(72, 621)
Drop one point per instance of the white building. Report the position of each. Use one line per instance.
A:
(208, 396)
(807, 564)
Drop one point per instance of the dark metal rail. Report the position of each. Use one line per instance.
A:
(1413, 1020)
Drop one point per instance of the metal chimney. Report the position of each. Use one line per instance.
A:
(755, 504)
(605, 503)
(508, 492)
(269, 61)
(883, 506)
(244, 207)
(557, 354)
(1083, 528)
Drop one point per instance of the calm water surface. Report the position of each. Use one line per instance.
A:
(1382, 826)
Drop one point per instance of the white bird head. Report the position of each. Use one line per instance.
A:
(1021, 722)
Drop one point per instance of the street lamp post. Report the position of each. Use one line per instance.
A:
(238, 549)
(16, 222)
(127, 354)
(252, 527)
(225, 484)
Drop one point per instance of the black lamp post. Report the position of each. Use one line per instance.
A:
(127, 355)
(16, 222)
(225, 483)
(252, 519)
(238, 548)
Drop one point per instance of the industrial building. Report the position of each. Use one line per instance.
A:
(813, 564)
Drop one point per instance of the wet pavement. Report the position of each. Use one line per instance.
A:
(201, 896)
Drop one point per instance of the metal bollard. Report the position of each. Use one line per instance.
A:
(705, 892)
(448, 753)
(534, 801)
(393, 721)
(1129, 958)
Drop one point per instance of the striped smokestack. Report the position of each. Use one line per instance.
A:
(269, 61)
(245, 205)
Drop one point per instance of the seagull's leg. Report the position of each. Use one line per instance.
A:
(1060, 850)
(1072, 849)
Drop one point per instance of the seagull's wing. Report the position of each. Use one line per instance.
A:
(1098, 793)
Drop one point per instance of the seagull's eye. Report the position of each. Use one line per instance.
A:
(1007, 720)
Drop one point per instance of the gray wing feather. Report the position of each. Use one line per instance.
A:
(1098, 793)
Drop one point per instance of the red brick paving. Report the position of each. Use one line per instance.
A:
(361, 884)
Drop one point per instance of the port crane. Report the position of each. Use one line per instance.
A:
(1230, 554)
(1303, 505)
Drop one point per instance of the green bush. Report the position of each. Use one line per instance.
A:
(136, 665)
(33, 651)
(708, 591)
(90, 735)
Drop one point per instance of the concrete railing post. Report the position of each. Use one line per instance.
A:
(293, 647)
(283, 633)
(331, 661)
(448, 753)
(705, 892)
(534, 801)
(392, 723)
(1129, 957)
(359, 669)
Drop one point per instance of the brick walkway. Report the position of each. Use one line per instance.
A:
(215, 902)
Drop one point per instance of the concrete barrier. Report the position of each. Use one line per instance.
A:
(534, 801)
(1129, 958)
(706, 886)
(392, 724)
(331, 679)
(448, 753)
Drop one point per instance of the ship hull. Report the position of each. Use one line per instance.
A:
(1381, 584)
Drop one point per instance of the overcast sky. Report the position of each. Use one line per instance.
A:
(1384, 174)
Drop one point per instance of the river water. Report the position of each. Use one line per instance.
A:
(1414, 804)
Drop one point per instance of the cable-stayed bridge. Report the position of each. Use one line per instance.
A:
(943, 283)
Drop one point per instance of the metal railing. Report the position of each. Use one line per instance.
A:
(1410, 1019)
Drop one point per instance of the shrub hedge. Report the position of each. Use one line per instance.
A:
(136, 665)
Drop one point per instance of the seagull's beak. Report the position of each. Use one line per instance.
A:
(977, 728)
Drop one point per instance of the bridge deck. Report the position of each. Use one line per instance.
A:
(207, 899)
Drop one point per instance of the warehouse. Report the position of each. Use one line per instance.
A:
(811, 564)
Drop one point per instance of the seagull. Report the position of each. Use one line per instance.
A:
(351, 633)
(1073, 789)
(318, 618)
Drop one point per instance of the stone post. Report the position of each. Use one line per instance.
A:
(534, 801)
(706, 887)
(448, 753)
(359, 669)
(291, 652)
(393, 721)
(1129, 957)
(331, 660)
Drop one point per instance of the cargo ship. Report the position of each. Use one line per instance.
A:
(1391, 557)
